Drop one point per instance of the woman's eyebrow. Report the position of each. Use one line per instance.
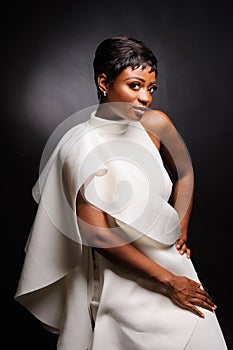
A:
(138, 78)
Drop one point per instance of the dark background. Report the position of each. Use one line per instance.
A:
(46, 75)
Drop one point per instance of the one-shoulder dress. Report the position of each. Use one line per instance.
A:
(73, 290)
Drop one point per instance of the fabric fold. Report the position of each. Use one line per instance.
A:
(123, 175)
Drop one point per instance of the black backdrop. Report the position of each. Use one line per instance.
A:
(46, 75)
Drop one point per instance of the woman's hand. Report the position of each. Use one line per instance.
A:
(189, 294)
(182, 247)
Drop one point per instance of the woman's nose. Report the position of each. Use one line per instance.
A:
(144, 97)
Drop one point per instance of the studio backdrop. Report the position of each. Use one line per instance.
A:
(47, 75)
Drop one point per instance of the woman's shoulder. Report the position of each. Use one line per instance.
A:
(156, 119)
(153, 114)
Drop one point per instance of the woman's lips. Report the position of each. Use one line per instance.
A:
(139, 111)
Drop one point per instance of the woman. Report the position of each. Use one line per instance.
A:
(107, 265)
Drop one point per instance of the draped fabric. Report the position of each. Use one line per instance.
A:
(122, 173)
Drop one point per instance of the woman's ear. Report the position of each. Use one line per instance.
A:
(103, 83)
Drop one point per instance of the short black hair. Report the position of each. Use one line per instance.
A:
(115, 54)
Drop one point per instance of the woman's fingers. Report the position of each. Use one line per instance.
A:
(196, 311)
(185, 250)
(193, 304)
(188, 253)
(190, 295)
(204, 300)
(206, 304)
(182, 248)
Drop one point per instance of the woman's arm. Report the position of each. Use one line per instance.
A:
(94, 226)
(178, 164)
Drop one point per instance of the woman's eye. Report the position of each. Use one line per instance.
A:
(152, 89)
(135, 86)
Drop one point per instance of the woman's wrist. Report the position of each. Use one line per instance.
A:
(164, 278)
(183, 233)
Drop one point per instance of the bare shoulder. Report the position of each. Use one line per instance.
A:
(163, 115)
(156, 120)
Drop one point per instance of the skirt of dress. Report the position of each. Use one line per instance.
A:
(133, 315)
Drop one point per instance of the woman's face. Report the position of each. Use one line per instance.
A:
(135, 88)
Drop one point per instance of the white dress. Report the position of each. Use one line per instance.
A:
(76, 292)
(132, 315)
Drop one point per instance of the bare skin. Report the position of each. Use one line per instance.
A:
(182, 290)
(165, 137)
(136, 87)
